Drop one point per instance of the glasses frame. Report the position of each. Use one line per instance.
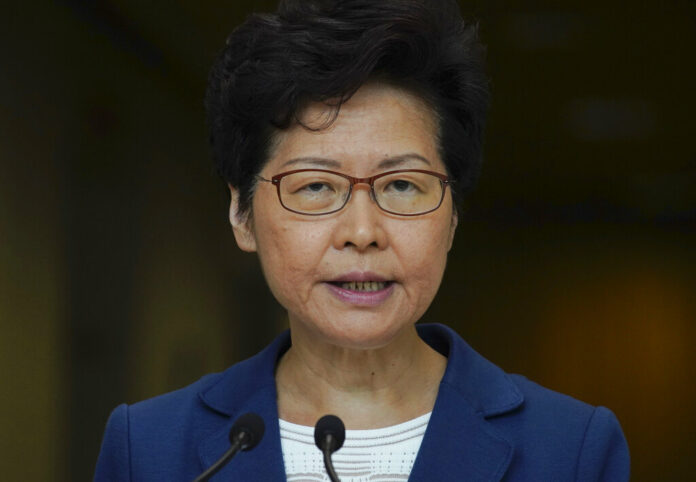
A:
(444, 182)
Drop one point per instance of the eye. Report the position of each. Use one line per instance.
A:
(401, 185)
(316, 187)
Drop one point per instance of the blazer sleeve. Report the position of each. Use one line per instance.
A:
(604, 453)
(113, 464)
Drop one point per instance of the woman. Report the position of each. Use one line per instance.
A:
(346, 131)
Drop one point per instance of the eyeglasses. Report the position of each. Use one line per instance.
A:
(404, 192)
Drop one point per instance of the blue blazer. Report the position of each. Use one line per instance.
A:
(486, 426)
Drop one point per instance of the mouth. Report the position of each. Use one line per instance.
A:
(362, 286)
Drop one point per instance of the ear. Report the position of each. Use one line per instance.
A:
(453, 227)
(241, 224)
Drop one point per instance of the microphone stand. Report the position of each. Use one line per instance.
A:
(245, 434)
(328, 463)
(237, 444)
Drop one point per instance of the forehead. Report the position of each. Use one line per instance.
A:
(377, 123)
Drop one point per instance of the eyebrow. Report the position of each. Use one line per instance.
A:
(389, 162)
(317, 161)
(402, 159)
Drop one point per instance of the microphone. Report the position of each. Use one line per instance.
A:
(245, 434)
(329, 434)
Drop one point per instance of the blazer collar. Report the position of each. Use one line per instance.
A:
(459, 443)
(248, 386)
(483, 385)
(459, 440)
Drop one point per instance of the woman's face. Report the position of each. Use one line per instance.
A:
(308, 259)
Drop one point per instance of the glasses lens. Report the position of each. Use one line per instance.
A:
(313, 192)
(408, 192)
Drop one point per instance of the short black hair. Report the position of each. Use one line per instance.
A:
(323, 51)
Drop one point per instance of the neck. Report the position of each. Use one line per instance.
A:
(367, 388)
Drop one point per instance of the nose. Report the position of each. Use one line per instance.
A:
(360, 222)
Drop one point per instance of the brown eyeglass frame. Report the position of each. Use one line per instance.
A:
(444, 182)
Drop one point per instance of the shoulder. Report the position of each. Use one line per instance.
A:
(162, 438)
(544, 406)
(184, 405)
(179, 400)
(550, 427)
(150, 434)
(550, 410)
(551, 436)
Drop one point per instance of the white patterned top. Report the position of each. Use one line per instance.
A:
(378, 455)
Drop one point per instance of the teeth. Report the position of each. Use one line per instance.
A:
(363, 285)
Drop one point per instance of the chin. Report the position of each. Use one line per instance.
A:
(362, 333)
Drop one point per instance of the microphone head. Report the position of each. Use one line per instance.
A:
(250, 426)
(329, 433)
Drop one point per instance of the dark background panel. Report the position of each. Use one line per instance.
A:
(120, 279)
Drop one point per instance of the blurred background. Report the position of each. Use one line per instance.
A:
(575, 263)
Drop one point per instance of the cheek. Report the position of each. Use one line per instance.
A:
(289, 258)
(424, 258)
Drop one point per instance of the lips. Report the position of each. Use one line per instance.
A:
(358, 276)
(361, 288)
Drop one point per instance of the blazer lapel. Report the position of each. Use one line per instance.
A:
(248, 386)
(460, 444)
(265, 461)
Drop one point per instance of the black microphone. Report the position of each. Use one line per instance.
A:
(245, 434)
(329, 434)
